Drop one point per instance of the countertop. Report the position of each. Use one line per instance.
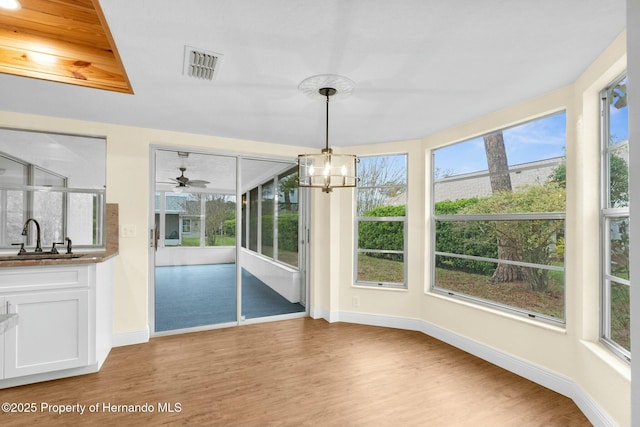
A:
(80, 258)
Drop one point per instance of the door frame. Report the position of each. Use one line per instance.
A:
(303, 232)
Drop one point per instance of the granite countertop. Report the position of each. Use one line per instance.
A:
(76, 258)
(7, 321)
(94, 257)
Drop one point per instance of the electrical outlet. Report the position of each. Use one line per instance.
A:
(128, 230)
(355, 301)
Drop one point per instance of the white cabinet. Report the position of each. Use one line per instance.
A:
(3, 310)
(51, 334)
(64, 321)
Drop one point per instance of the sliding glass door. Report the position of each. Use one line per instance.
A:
(195, 248)
(272, 281)
(225, 241)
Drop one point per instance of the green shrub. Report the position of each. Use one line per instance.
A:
(468, 240)
(288, 231)
(385, 235)
(229, 227)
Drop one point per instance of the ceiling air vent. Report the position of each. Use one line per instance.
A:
(200, 63)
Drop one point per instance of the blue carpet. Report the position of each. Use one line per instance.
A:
(198, 295)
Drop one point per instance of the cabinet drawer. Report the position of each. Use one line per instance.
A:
(43, 278)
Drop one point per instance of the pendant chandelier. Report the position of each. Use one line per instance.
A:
(326, 169)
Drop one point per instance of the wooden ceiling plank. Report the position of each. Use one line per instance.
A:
(65, 30)
(89, 76)
(74, 33)
(29, 42)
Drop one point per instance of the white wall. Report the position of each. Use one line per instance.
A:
(128, 150)
(195, 255)
(572, 353)
(282, 279)
(569, 359)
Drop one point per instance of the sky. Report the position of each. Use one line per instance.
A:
(535, 140)
(539, 139)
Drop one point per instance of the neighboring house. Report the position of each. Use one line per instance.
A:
(477, 184)
(177, 223)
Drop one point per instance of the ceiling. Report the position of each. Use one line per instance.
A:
(62, 40)
(420, 66)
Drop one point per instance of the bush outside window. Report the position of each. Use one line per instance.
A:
(196, 219)
(381, 225)
(277, 230)
(499, 217)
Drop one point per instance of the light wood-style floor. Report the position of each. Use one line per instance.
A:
(299, 372)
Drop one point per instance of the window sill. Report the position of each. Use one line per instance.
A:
(380, 288)
(608, 357)
(537, 322)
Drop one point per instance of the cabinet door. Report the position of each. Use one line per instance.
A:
(51, 334)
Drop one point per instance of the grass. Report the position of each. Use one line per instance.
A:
(220, 241)
(515, 294)
(372, 269)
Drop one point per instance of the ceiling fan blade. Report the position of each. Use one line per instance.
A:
(199, 182)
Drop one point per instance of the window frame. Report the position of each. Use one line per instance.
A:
(31, 189)
(516, 216)
(381, 284)
(254, 206)
(607, 215)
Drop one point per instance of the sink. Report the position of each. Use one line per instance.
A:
(31, 257)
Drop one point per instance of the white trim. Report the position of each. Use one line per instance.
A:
(48, 376)
(131, 337)
(319, 313)
(552, 380)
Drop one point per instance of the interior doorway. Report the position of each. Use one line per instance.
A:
(226, 241)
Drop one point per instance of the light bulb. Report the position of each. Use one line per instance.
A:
(10, 4)
(311, 170)
(327, 169)
(343, 169)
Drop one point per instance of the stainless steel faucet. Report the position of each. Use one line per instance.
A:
(25, 233)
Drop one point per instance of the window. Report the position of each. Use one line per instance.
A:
(253, 219)
(273, 217)
(197, 219)
(29, 191)
(498, 219)
(381, 221)
(220, 219)
(287, 230)
(615, 321)
(267, 219)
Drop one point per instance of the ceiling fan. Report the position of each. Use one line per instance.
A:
(183, 181)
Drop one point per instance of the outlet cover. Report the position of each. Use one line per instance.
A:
(128, 231)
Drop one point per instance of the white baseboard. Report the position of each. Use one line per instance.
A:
(552, 380)
(131, 337)
(319, 313)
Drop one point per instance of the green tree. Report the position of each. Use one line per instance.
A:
(500, 183)
(287, 186)
(531, 241)
(381, 180)
(618, 179)
(218, 209)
